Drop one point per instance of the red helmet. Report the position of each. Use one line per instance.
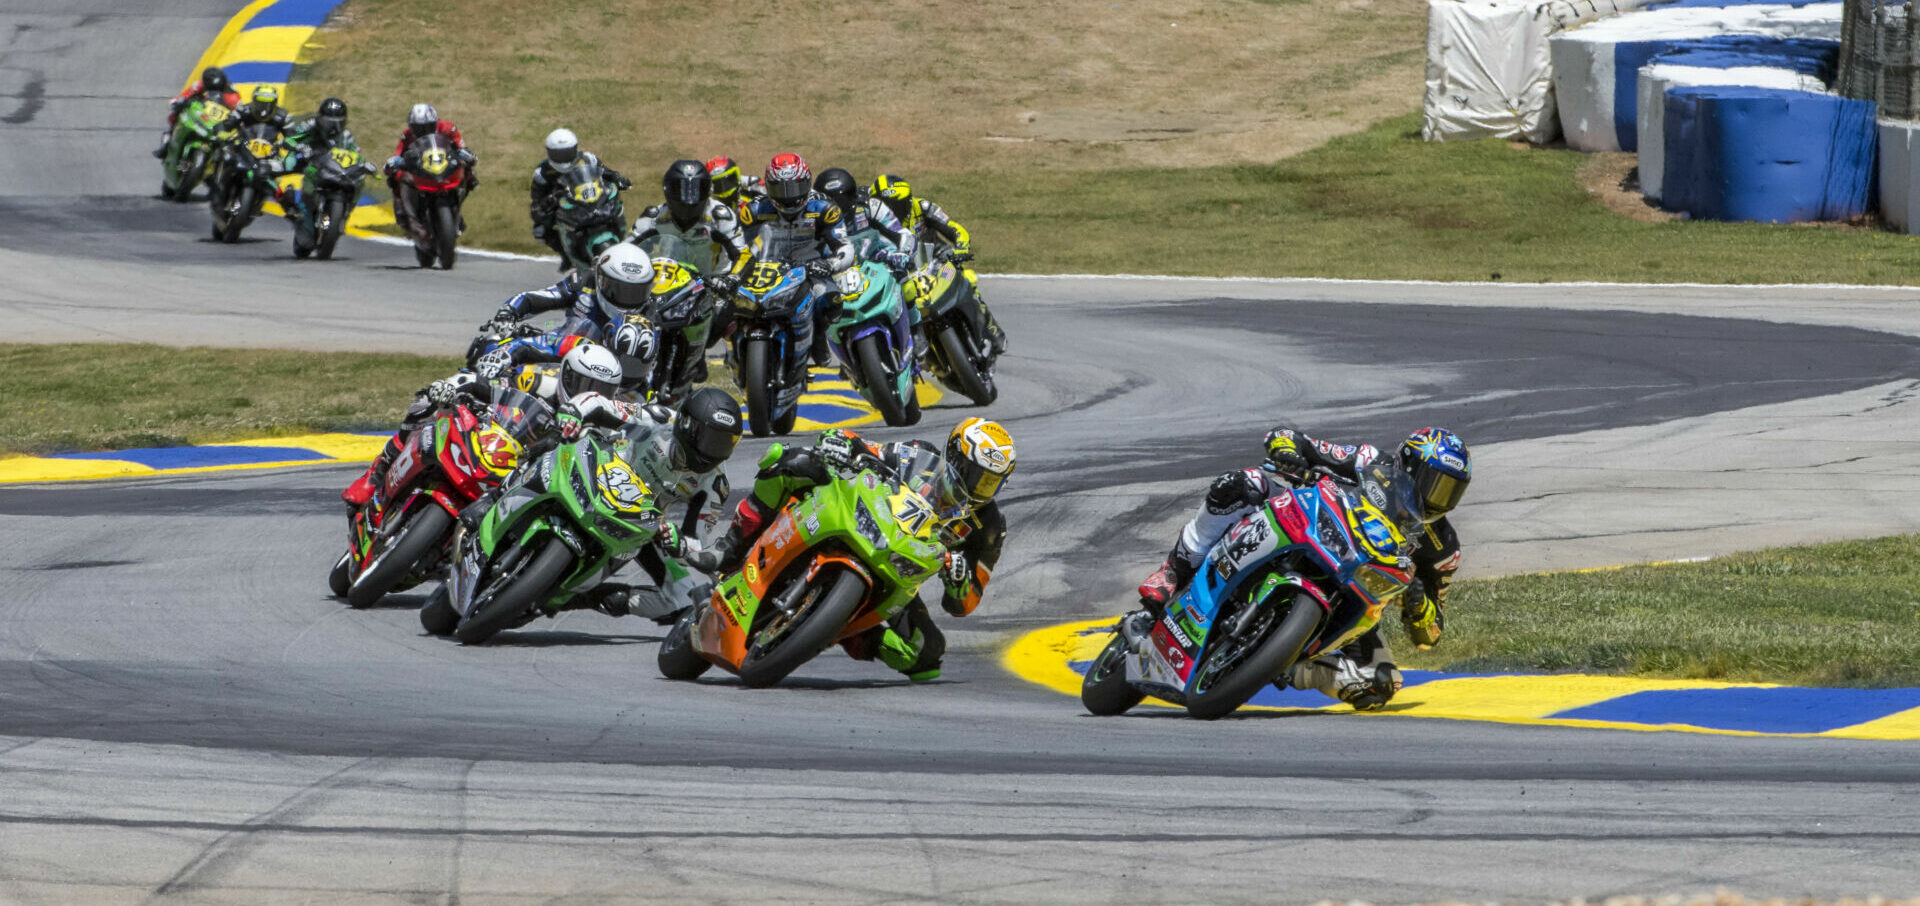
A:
(789, 182)
(726, 177)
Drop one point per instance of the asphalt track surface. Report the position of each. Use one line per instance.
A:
(185, 716)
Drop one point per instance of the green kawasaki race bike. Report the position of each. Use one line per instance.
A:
(838, 560)
(189, 155)
(563, 523)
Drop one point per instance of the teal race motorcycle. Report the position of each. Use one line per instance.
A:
(562, 524)
(871, 333)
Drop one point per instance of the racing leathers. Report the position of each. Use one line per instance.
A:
(229, 99)
(543, 197)
(1362, 674)
(973, 535)
(426, 401)
(468, 183)
(713, 244)
(929, 224)
(588, 315)
(647, 447)
(879, 236)
(305, 142)
(814, 236)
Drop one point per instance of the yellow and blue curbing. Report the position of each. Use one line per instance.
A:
(1056, 657)
(272, 452)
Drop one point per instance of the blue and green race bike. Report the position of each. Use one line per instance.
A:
(562, 523)
(872, 336)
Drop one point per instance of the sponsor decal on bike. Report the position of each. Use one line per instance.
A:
(1178, 635)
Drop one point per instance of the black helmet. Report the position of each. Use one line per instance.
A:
(331, 121)
(706, 430)
(840, 188)
(1440, 466)
(213, 78)
(687, 186)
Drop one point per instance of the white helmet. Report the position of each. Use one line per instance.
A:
(422, 115)
(624, 276)
(563, 148)
(589, 368)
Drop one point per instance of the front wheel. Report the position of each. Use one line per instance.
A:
(410, 544)
(237, 212)
(678, 660)
(1226, 679)
(880, 383)
(1105, 691)
(521, 593)
(753, 380)
(336, 221)
(446, 229)
(966, 377)
(341, 577)
(438, 617)
(777, 650)
(191, 169)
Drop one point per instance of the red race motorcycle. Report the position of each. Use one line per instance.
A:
(430, 180)
(402, 536)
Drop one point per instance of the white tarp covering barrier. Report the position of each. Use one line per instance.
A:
(1656, 79)
(1488, 74)
(1588, 88)
(1900, 174)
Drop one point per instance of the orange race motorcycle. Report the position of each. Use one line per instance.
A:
(835, 562)
(402, 536)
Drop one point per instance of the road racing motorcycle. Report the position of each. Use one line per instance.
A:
(189, 156)
(402, 536)
(771, 298)
(1304, 575)
(245, 177)
(331, 190)
(837, 561)
(591, 215)
(563, 523)
(430, 179)
(682, 310)
(873, 338)
(953, 329)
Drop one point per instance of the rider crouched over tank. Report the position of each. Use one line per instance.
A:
(1433, 462)
(975, 464)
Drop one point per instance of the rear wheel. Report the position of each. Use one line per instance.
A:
(1105, 690)
(783, 642)
(511, 597)
(880, 383)
(446, 229)
(411, 543)
(335, 223)
(678, 660)
(341, 577)
(753, 380)
(1229, 674)
(966, 378)
(438, 616)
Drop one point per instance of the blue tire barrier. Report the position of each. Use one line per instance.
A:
(1768, 155)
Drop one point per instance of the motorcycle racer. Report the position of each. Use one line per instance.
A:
(263, 107)
(864, 213)
(597, 301)
(311, 137)
(730, 188)
(695, 218)
(543, 202)
(797, 225)
(975, 464)
(212, 83)
(586, 368)
(928, 223)
(1421, 485)
(422, 121)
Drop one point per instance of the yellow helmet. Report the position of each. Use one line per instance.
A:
(266, 94)
(979, 459)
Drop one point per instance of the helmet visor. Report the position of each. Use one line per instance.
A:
(970, 481)
(624, 296)
(788, 194)
(1439, 492)
(564, 157)
(576, 383)
(709, 445)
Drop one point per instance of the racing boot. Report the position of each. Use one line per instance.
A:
(361, 491)
(1166, 582)
(1342, 677)
(917, 653)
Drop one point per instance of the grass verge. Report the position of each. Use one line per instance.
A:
(1839, 614)
(1079, 137)
(100, 396)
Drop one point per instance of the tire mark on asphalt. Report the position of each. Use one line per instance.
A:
(238, 841)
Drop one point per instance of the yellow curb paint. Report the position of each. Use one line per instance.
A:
(136, 470)
(216, 52)
(274, 44)
(34, 468)
(1041, 657)
(346, 447)
(331, 447)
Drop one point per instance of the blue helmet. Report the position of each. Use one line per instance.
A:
(1440, 466)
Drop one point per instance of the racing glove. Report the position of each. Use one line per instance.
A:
(493, 365)
(441, 392)
(394, 163)
(1423, 618)
(961, 254)
(819, 269)
(954, 570)
(505, 317)
(723, 284)
(1285, 457)
(570, 426)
